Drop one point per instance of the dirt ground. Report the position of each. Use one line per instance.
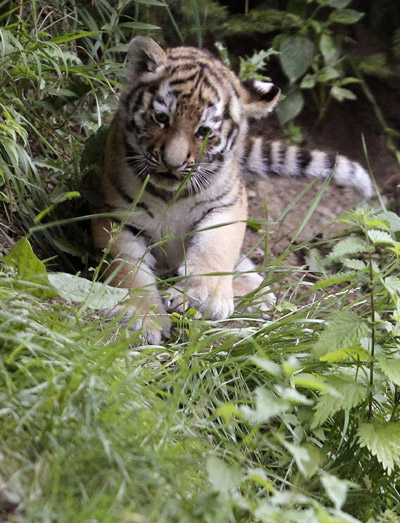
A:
(340, 132)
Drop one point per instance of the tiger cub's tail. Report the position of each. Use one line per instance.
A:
(269, 158)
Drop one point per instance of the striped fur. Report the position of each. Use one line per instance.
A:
(173, 163)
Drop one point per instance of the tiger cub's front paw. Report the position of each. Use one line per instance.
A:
(213, 302)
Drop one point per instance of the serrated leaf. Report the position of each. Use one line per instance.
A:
(344, 330)
(357, 265)
(349, 395)
(95, 295)
(343, 354)
(340, 94)
(222, 477)
(269, 366)
(335, 488)
(390, 367)
(383, 441)
(267, 407)
(345, 16)
(392, 219)
(309, 381)
(333, 280)
(352, 245)
(290, 106)
(296, 55)
(378, 236)
(392, 284)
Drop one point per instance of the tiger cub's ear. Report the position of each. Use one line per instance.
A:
(146, 58)
(262, 98)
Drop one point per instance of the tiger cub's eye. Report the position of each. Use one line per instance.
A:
(162, 118)
(203, 131)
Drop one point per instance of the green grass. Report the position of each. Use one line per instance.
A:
(290, 418)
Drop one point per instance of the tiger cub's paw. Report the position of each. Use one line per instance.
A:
(152, 319)
(214, 303)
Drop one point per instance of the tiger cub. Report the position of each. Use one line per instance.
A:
(173, 157)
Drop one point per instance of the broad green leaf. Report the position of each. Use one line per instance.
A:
(383, 441)
(307, 457)
(343, 354)
(390, 367)
(378, 236)
(327, 73)
(340, 94)
(258, 476)
(296, 55)
(348, 395)
(95, 295)
(222, 477)
(392, 219)
(392, 284)
(308, 82)
(352, 245)
(309, 381)
(267, 407)
(29, 269)
(344, 330)
(333, 280)
(328, 49)
(269, 366)
(335, 488)
(357, 265)
(338, 4)
(290, 106)
(345, 16)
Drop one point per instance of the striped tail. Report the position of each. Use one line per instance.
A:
(266, 158)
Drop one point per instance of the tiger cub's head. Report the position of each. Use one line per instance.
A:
(185, 113)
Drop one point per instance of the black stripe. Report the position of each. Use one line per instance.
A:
(180, 81)
(134, 230)
(303, 159)
(330, 162)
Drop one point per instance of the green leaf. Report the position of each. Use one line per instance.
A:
(333, 280)
(338, 4)
(335, 488)
(29, 268)
(308, 82)
(290, 106)
(309, 381)
(222, 477)
(326, 74)
(328, 49)
(383, 441)
(345, 16)
(392, 219)
(378, 236)
(296, 55)
(95, 295)
(390, 367)
(73, 36)
(340, 94)
(357, 265)
(392, 284)
(347, 394)
(152, 2)
(267, 407)
(352, 245)
(269, 366)
(139, 25)
(344, 329)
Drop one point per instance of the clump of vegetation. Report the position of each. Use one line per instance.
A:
(285, 419)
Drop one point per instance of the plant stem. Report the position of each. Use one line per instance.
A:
(371, 365)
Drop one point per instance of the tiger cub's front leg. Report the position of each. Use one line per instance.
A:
(214, 250)
(132, 268)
